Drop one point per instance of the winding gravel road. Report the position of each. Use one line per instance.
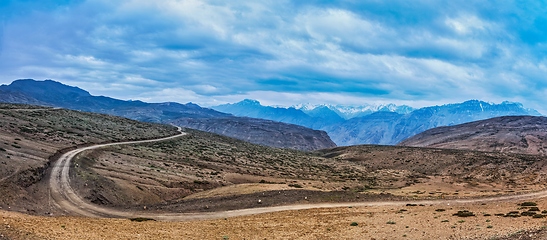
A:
(66, 198)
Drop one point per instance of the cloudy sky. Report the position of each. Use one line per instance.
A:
(282, 52)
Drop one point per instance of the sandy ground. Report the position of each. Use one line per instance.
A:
(417, 222)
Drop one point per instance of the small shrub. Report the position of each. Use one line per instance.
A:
(464, 213)
(486, 214)
(513, 214)
(528, 213)
(528, 204)
(446, 220)
(489, 226)
(353, 224)
(533, 209)
(141, 219)
(411, 205)
(440, 210)
(200, 182)
(390, 222)
(295, 185)
(2, 150)
(539, 216)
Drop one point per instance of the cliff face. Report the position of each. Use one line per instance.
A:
(263, 132)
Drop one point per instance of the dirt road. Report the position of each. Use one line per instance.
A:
(66, 198)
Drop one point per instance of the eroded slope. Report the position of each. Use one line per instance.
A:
(518, 134)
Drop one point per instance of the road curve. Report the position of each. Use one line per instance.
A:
(64, 195)
(66, 198)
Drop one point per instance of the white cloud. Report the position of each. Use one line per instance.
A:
(213, 51)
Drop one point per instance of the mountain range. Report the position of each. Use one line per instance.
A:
(348, 111)
(303, 127)
(388, 125)
(55, 94)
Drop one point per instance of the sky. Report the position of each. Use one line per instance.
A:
(352, 52)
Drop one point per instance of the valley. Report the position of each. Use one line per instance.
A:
(202, 177)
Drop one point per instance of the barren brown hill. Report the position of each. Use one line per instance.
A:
(208, 172)
(261, 131)
(512, 134)
(31, 136)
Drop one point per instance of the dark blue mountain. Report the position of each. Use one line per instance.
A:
(56, 94)
(253, 108)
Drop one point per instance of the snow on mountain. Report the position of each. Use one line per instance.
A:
(352, 111)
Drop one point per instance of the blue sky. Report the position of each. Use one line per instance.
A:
(282, 52)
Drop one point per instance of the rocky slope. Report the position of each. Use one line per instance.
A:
(31, 137)
(52, 93)
(263, 132)
(514, 134)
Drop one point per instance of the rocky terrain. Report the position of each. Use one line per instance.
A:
(269, 133)
(513, 134)
(31, 137)
(260, 131)
(208, 172)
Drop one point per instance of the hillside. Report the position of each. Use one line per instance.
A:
(515, 134)
(263, 132)
(55, 94)
(30, 136)
(208, 172)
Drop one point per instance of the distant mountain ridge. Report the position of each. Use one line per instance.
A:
(52, 93)
(387, 125)
(348, 112)
(253, 108)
